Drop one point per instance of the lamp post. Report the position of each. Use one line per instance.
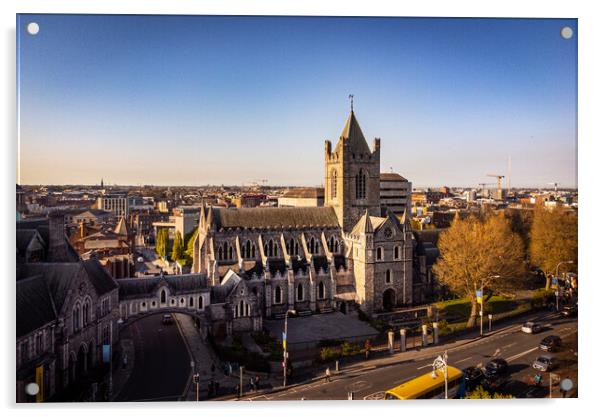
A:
(482, 312)
(284, 343)
(441, 363)
(557, 292)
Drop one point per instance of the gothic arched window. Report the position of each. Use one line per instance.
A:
(360, 184)
(333, 185)
(200, 303)
(388, 276)
(321, 290)
(163, 297)
(312, 246)
(278, 295)
(379, 254)
(300, 292)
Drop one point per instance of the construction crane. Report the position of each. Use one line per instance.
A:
(499, 184)
(555, 184)
(483, 184)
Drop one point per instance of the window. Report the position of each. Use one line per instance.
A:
(292, 247)
(300, 292)
(200, 303)
(313, 247)
(396, 252)
(220, 254)
(388, 276)
(248, 250)
(379, 254)
(360, 184)
(105, 307)
(191, 302)
(333, 185)
(278, 295)
(321, 290)
(24, 351)
(106, 335)
(86, 312)
(241, 309)
(38, 344)
(77, 317)
(247, 310)
(163, 297)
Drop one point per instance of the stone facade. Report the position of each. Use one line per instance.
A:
(312, 259)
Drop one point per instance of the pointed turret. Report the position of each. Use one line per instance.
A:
(121, 228)
(352, 135)
(364, 225)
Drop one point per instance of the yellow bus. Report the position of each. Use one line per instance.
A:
(431, 385)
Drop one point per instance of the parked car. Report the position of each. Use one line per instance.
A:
(496, 367)
(544, 363)
(531, 327)
(167, 319)
(569, 311)
(472, 377)
(550, 343)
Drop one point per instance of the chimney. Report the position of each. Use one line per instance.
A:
(82, 230)
(57, 245)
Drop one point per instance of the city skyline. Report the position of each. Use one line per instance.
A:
(230, 100)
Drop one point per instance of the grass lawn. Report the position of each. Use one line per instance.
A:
(460, 308)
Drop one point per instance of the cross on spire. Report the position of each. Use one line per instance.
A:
(351, 101)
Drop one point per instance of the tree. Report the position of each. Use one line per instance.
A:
(481, 394)
(473, 251)
(177, 251)
(162, 241)
(553, 240)
(190, 238)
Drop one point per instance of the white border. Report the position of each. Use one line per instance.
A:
(589, 185)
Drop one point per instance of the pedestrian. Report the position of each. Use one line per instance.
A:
(367, 347)
(125, 360)
(237, 388)
(252, 383)
(327, 375)
(256, 382)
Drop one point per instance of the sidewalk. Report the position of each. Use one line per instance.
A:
(203, 357)
(122, 374)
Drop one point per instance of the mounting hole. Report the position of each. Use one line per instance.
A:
(33, 28)
(566, 32)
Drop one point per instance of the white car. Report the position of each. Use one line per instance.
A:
(530, 327)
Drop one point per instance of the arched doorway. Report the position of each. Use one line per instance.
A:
(389, 299)
(82, 362)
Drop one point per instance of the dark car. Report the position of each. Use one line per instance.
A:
(496, 367)
(167, 319)
(550, 343)
(569, 311)
(472, 377)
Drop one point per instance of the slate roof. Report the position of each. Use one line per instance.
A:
(35, 307)
(23, 239)
(391, 177)
(274, 217)
(100, 278)
(178, 284)
(304, 193)
(352, 133)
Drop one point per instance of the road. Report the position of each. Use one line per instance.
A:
(161, 363)
(519, 349)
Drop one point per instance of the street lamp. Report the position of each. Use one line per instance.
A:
(557, 293)
(482, 312)
(284, 343)
(441, 363)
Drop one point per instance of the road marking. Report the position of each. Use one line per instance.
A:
(425, 366)
(464, 360)
(375, 396)
(511, 358)
(507, 346)
(497, 352)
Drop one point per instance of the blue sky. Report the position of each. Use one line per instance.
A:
(229, 100)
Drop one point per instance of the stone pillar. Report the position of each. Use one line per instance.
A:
(291, 290)
(312, 292)
(402, 341)
(435, 332)
(425, 335)
(268, 300)
(391, 341)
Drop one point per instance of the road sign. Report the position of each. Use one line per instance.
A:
(479, 296)
(566, 384)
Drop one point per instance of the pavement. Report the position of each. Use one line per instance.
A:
(160, 365)
(370, 379)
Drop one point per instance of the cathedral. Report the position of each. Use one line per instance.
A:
(315, 259)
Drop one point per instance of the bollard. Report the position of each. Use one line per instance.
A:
(435, 333)
(336, 366)
(402, 342)
(425, 335)
(350, 395)
(391, 338)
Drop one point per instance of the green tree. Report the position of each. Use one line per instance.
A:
(553, 240)
(481, 394)
(177, 251)
(162, 242)
(190, 238)
(479, 253)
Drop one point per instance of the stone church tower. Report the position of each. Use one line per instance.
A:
(352, 175)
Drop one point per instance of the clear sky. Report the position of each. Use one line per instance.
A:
(195, 100)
